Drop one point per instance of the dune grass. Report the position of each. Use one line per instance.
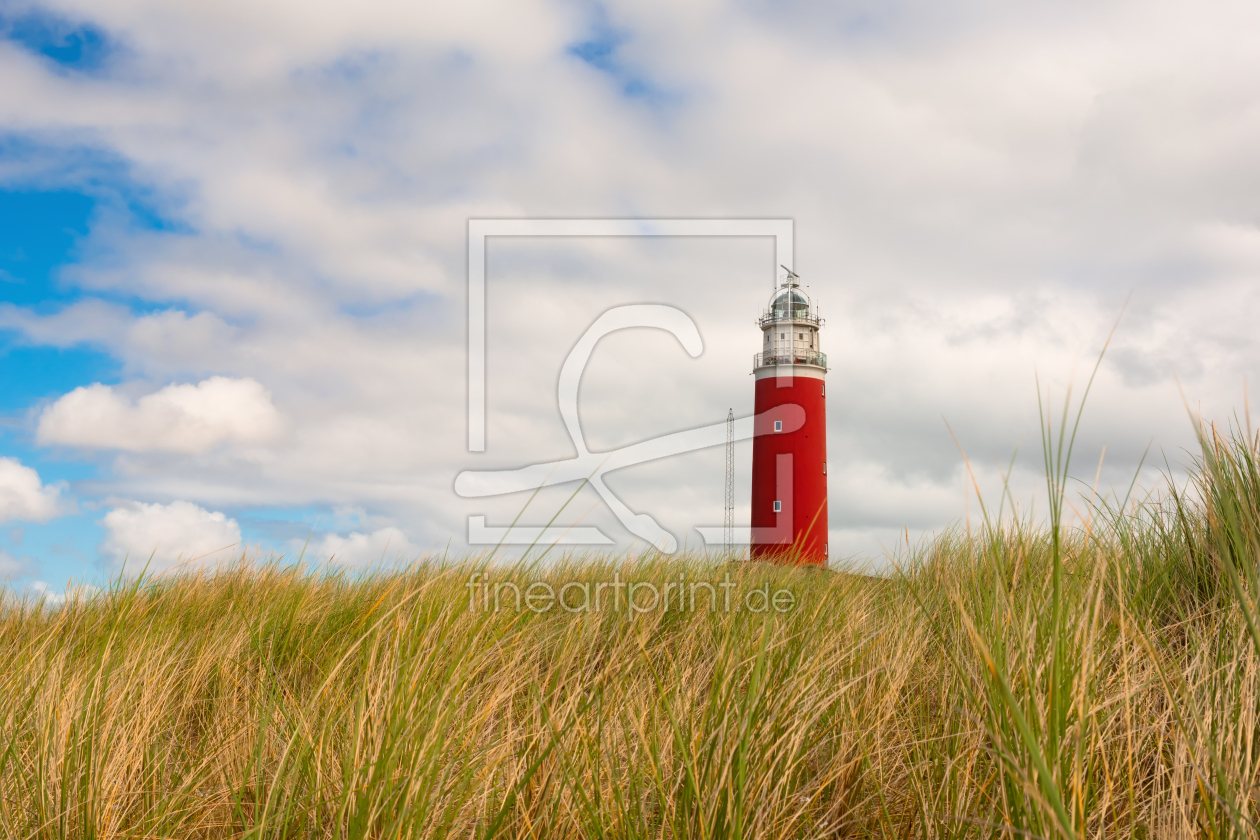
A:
(1021, 681)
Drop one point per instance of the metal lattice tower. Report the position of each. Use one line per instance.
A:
(728, 524)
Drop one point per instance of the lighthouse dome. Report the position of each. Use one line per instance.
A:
(789, 302)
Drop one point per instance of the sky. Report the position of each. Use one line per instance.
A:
(233, 260)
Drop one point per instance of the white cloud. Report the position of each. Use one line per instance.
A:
(22, 496)
(54, 599)
(12, 567)
(178, 418)
(359, 550)
(87, 320)
(163, 537)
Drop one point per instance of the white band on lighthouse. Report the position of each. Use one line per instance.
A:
(790, 371)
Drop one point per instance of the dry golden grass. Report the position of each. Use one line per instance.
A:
(1007, 684)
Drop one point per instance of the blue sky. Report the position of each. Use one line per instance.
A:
(233, 256)
(78, 47)
(41, 234)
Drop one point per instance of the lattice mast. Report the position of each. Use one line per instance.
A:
(728, 523)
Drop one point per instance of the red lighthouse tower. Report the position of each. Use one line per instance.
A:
(789, 471)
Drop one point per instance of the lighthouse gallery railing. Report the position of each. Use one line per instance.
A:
(801, 316)
(804, 357)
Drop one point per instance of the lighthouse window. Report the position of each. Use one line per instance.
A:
(801, 336)
(778, 506)
(824, 467)
(778, 425)
(782, 335)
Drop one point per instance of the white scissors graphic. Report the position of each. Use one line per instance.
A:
(593, 465)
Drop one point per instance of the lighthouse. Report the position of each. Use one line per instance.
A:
(789, 469)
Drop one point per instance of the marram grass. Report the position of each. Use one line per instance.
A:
(957, 698)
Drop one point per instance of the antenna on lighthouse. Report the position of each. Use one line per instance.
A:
(728, 523)
(793, 279)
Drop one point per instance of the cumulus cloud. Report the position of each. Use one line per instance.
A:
(359, 550)
(14, 567)
(163, 537)
(23, 496)
(53, 599)
(178, 418)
